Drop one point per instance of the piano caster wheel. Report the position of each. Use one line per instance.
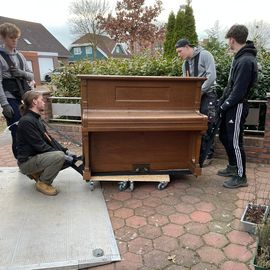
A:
(131, 185)
(122, 185)
(91, 185)
(162, 185)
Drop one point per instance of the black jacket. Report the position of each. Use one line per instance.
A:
(33, 139)
(244, 74)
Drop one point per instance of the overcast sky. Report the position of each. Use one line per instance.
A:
(54, 14)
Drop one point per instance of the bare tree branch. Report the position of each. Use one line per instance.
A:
(84, 19)
(259, 33)
(216, 32)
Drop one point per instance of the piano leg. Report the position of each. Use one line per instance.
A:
(86, 151)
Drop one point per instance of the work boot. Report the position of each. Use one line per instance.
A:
(34, 176)
(46, 189)
(228, 171)
(235, 182)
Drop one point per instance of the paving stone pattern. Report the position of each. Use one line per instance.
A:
(193, 224)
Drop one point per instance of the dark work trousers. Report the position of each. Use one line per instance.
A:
(14, 103)
(208, 107)
(49, 164)
(231, 135)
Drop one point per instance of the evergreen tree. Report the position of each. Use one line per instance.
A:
(179, 29)
(189, 24)
(169, 38)
(181, 26)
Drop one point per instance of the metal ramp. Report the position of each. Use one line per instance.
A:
(69, 231)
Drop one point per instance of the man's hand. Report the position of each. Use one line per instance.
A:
(8, 111)
(221, 112)
(69, 153)
(69, 159)
(18, 73)
(74, 156)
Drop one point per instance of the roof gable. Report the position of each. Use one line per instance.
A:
(105, 44)
(35, 37)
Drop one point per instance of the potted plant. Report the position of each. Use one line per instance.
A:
(262, 256)
(253, 215)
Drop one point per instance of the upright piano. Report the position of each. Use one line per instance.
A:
(141, 124)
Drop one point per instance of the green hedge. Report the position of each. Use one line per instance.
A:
(263, 84)
(67, 83)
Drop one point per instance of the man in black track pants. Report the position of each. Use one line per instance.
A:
(234, 109)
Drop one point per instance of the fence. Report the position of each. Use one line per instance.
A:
(255, 122)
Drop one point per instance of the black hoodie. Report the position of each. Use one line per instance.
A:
(243, 75)
(33, 139)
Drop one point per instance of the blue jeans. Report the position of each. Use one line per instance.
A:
(14, 103)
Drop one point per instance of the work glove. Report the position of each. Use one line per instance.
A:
(8, 111)
(221, 112)
(18, 73)
(69, 153)
(73, 156)
(69, 159)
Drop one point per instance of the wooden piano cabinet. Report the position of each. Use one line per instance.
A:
(137, 124)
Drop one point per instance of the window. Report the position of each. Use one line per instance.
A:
(117, 49)
(89, 50)
(77, 50)
(27, 41)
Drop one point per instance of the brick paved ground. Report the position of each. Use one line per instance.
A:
(193, 224)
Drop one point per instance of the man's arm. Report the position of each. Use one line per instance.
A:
(33, 137)
(25, 72)
(3, 99)
(210, 70)
(241, 85)
(29, 76)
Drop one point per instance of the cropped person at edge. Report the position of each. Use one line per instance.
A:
(11, 77)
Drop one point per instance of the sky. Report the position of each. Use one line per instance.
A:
(54, 14)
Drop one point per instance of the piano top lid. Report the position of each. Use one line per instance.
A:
(131, 78)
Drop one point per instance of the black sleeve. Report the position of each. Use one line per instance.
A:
(53, 142)
(242, 81)
(57, 145)
(33, 136)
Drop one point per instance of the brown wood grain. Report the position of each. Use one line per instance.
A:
(137, 121)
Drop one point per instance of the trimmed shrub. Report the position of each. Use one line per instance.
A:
(67, 82)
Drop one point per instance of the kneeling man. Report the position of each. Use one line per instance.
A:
(37, 156)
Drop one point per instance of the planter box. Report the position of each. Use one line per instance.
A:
(66, 109)
(249, 226)
(256, 267)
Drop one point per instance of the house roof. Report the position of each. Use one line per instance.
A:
(105, 43)
(40, 38)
